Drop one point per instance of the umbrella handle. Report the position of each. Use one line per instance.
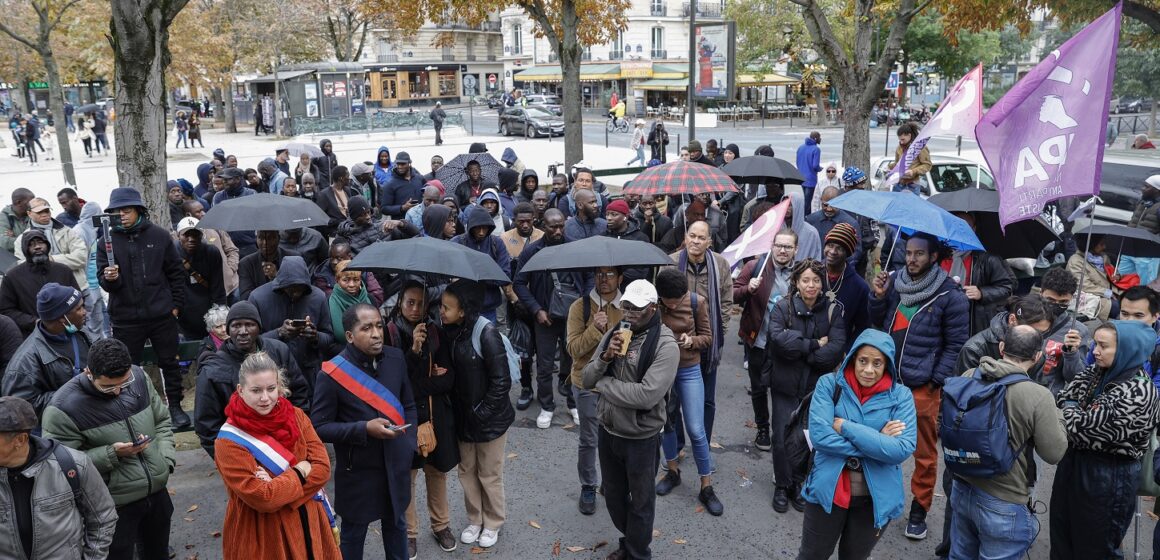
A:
(897, 234)
(1083, 271)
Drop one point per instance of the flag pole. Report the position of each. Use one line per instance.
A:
(1083, 271)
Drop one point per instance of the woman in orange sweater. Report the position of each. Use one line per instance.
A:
(274, 468)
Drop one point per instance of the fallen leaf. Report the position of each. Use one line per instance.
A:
(216, 534)
(569, 426)
(187, 518)
(656, 533)
(172, 492)
(743, 473)
(1153, 516)
(599, 545)
(575, 549)
(751, 424)
(556, 549)
(716, 445)
(699, 509)
(192, 508)
(534, 524)
(479, 550)
(512, 455)
(681, 541)
(190, 546)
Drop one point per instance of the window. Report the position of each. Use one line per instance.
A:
(517, 39)
(658, 42)
(616, 49)
(657, 7)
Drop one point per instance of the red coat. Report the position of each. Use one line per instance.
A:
(262, 520)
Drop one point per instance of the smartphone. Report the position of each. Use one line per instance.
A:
(298, 323)
(143, 440)
(399, 428)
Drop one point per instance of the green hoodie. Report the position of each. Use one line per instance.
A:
(1032, 418)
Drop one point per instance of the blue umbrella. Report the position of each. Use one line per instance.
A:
(910, 213)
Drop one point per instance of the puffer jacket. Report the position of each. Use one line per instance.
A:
(217, 379)
(362, 236)
(151, 279)
(995, 281)
(483, 411)
(794, 358)
(276, 307)
(862, 437)
(936, 334)
(325, 164)
(1053, 370)
(397, 190)
(88, 420)
(60, 530)
(1146, 216)
(37, 370)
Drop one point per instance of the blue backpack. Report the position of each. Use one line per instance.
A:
(973, 425)
(513, 357)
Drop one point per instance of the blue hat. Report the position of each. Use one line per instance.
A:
(123, 197)
(54, 301)
(853, 176)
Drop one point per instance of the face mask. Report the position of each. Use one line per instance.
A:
(1061, 309)
(70, 328)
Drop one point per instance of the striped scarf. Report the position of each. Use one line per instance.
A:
(714, 297)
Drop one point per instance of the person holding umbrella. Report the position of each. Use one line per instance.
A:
(986, 279)
(1095, 301)
(467, 192)
(924, 311)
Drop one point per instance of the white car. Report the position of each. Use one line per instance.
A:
(947, 174)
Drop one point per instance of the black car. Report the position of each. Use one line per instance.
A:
(531, 121)
(549, 102)
(494, 101)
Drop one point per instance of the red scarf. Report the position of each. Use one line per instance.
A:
(279, 424)
(842, 492)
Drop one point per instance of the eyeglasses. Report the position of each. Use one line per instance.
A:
(607, 274)
(781, 247)
(831, 171)
(114, 388)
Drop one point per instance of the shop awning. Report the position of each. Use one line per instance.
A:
(283, 75)
(551, 73)
(670, 71)
(654, 84)
(768, 79)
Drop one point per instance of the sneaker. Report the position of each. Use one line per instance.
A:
(525, 399)
(762, 440)
(671, 480)
(544, 420)
(575, 415)
(709, 499)
(445, 539)
(413, 548)
(916, 524)
(587, 500)
(780, 499)
(488, 538)
(470, 534)
(745, 365)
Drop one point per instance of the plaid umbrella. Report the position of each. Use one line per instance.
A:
(455, 171)
(681, 177)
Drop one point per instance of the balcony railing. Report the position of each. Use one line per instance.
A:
(585, 56)
(447, 57)
(471, 58)
(491, 26)
(712, 10)
(660, 53)
(388, 58)
(615, 54)
(491, 58)
(658, 10)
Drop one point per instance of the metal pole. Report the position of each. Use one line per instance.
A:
(897, 233)
(605, 135)
(959, 144)
(471, 112)
(1083, 271)
(886, 147)
(692, 101)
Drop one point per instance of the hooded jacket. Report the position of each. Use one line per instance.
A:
(500, 219)
(22, 283)
(1032, 420)
(273, 175)
(250, 274)
(576, 229)
(794, 358)
(324, 164)
(151, 279)
(1053, 370)
(202, 291)
(809, 245)
(322, 276)
(382, 175)
(861, 435)
(397, 190)
(809, 162)
(311, 246)
(434, 218)
(1114, 410)
(217, 380)
(510, 159)
(204, 187)
(535, 288)
(67, 249)
(10, 222)
(84, 228)
(59, 529)
(492, 246)
(524, 194)
(631, 233)
(935, 336)
(275, 307)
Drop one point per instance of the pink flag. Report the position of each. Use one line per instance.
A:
(956, 116)
(758, 238)
(1044, 140)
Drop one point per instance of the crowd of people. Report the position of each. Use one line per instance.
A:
(301, 358)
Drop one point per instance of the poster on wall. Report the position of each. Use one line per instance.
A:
(328, 89)
(714, 44)
(356, 98)
(470, 85)
(311, 91)
(312, 108)
(340, 88)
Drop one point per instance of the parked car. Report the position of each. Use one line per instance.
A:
(947, 173)
(1123, 104)
(494, 101)
(549, 102)
(1140, 106)
(531, 121)
(186, 106)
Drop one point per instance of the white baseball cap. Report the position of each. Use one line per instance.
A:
(640, 293)
(1153, 181)
(187, 223)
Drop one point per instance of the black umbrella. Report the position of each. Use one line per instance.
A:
(1122, 240)
(430, 256)
(263, 211)
(1024, 239)
(90, 108)
(756, 169)
(595, 252)
(454, 172)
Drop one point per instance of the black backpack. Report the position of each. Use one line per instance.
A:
(68, 467)
(797, 447)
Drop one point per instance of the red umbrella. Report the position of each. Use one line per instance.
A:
(681, 177)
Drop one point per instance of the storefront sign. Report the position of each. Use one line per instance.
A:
(636, 69)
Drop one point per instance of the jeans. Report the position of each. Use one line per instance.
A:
(851, 530)
(102, 141)
(709, 375)
(438, 134)
(31, 152)
(162, 333)
(144, 522)
(1093, 498)
(353, 536)
(639, 156)
(690, 389)
(984, 526)
(808, 193)
(96, 322)
(627, 467)
(549, 341)
(88, 144)
(589, 432)
(181, 137)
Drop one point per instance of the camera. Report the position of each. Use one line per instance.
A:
(113, 220)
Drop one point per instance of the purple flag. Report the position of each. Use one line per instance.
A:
(1044, 140)
(957, 115)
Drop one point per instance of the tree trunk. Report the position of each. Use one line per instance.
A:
(56, 105)
(569, 50)
(820, 119)
(855, 135)
(231, 111)
(219, 107)
(25, 102)
(140, 41)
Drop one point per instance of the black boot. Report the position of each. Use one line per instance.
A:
(798, 502)
(781, 499)
(181, 421)
(671, 480)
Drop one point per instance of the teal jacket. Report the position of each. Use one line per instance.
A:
(861, 436)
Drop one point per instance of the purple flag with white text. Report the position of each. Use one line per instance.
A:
(957, 115)
(1044, 140)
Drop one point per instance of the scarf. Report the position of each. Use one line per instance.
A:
(217, 342)
(340, 301)
(842, 493)
(714, 298)
(1095, 260)
(279, 424)
(913, 292)
(959, 266)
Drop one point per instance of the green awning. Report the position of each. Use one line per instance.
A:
(551, 73)
(669, 71)
(680, 84)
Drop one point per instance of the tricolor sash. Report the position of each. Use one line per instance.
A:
(366, 388)
(273, 457)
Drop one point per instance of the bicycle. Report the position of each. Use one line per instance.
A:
(614, 126)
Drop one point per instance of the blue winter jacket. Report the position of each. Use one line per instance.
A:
(881, 455)
(938, 331)
(397, 190)
(809, 157)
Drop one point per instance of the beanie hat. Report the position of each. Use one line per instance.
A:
(357, 206)
(618, 205)
(733, 148)
(243, 310)
(844, 235)
(54, 301)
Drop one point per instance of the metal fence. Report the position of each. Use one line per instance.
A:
(378, 120)
(1133, 124)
